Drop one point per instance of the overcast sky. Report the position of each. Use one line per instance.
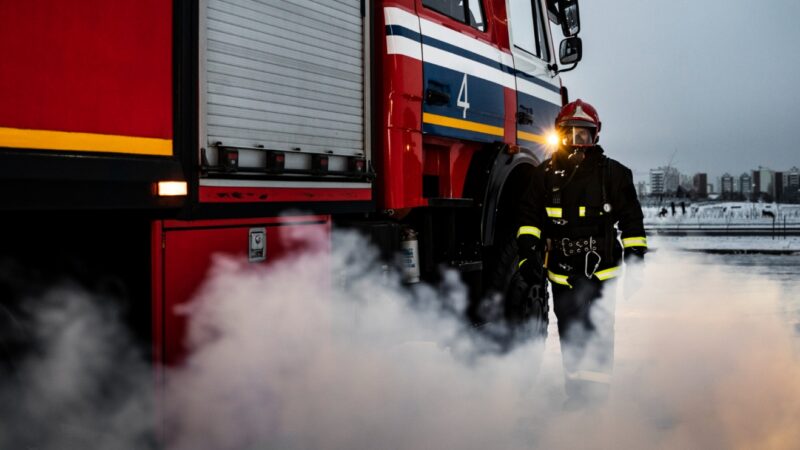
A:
(717, 82)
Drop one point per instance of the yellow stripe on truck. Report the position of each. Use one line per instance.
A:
(525, 136)
(83, 142)
(444, 121)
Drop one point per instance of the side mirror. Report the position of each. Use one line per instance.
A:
(570, 50)
(570, 17)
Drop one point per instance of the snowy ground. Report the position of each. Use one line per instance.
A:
(733, 214)
(726, 243)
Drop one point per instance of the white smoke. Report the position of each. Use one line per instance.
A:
(328, 350)
(82, 383)
(295, 357)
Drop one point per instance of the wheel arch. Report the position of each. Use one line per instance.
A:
(508, 177)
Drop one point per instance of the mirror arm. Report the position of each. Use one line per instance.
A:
(555, 68)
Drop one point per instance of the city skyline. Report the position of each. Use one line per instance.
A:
(644, 175)
(687, 84)
(761, 183)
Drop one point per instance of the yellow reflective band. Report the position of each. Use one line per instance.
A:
(554, 212)
(582, 211)
(83, 142)
(589, 375)
(450, 122)
(607, 273)
(521, 263)
(634, 242)
(525, 136)
(558, 279)
(533, 231)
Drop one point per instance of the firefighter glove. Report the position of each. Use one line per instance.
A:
(635, 255)
(526, 246)
(531, 270)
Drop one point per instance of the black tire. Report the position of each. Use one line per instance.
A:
(512, 311)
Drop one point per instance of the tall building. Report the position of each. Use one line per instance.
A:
(791, 185)
(657, 184)
(746, 185)
(791, 178)
(763, 181)
(700, 184)
(726, 184)
(664, 180)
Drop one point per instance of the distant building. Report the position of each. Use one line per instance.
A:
(726, 185)
(657, 181)
(791, 185)
(700, 184)
(777, 188)
(746, 185)
(664, 180)
(791, 178)
(763, 182)
(710, 188)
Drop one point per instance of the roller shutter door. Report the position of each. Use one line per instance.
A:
(285, 75)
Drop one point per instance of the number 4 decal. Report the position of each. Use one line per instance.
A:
(462, 94)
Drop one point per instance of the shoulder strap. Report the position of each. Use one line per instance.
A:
(605, 179)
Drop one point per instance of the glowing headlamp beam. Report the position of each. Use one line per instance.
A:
(552, 139)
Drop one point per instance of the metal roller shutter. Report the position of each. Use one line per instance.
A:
(285, 75)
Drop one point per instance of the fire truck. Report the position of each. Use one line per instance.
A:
(137, 139)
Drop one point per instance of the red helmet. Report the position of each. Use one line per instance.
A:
(579, 124)
(578, 114)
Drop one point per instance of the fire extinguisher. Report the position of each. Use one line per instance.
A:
(410, 253)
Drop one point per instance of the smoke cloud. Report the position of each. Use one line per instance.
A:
(329, 350)
(82, 382)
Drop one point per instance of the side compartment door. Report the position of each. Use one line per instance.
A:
(538, 89)
(463, 74)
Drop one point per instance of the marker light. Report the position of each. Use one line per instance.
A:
(319, 163)
(276, 161)
(552, 139)
(229, 159)
(172, 188)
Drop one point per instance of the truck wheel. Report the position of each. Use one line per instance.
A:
(523, 309)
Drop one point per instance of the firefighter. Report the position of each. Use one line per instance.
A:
(571, 210)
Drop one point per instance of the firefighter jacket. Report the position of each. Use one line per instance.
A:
(577, 207)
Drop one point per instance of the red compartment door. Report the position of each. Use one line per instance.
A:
(183, 253)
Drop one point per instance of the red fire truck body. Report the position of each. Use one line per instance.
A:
(137, 139)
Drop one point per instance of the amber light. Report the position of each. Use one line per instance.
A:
(552, 139)
(172, 188)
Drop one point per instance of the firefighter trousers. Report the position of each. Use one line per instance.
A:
(585, 314)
